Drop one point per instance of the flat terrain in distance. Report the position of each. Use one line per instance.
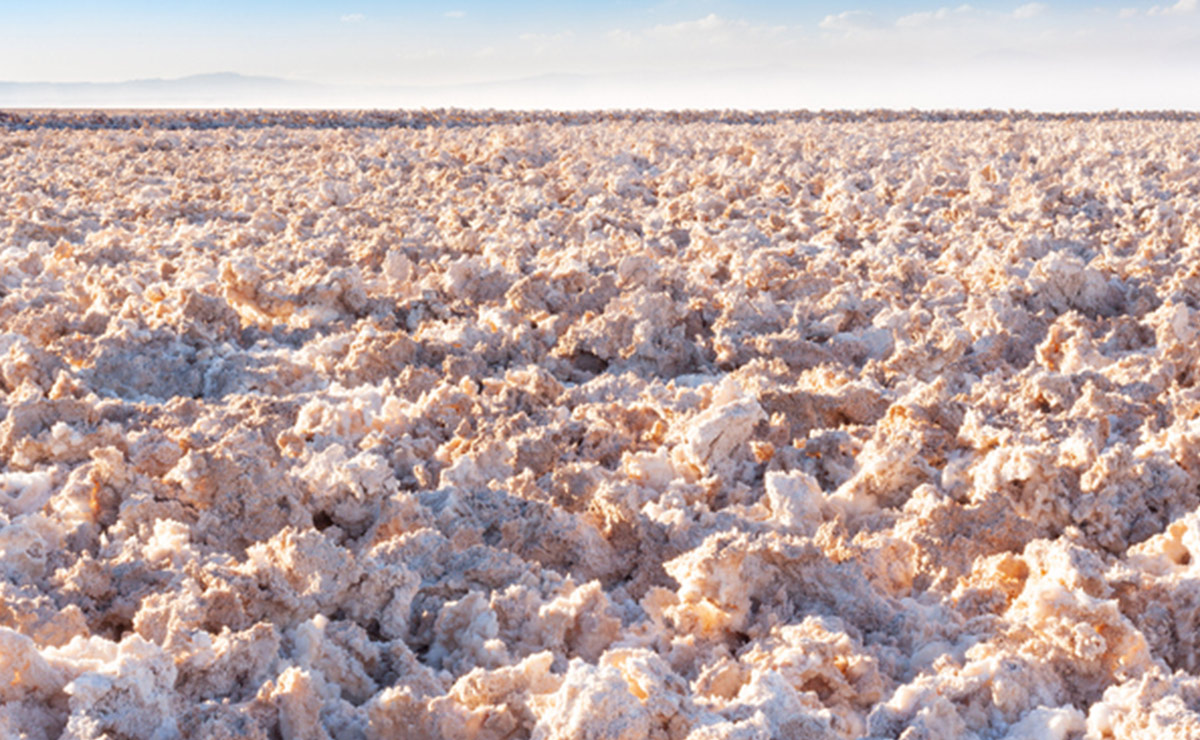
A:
(703, 426)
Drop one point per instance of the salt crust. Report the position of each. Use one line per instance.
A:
(489, 427)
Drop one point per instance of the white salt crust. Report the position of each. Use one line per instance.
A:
(678, 429)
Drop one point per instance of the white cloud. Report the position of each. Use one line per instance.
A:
(545, 38)
(455, 14)
(1127, 12)
(353, 18)
(711, 30)
(708, 23)
(850, 20)
(422, 54)
(540, 43)
(915, 20)
(1029, 10)
(622, 37)
(1179, 8)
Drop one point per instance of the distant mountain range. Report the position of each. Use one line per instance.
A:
(223, 89)
(832, 85)
(232, 90)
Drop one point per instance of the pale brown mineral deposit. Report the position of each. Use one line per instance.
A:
(487, 426)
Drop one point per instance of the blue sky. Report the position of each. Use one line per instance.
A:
(855, 53)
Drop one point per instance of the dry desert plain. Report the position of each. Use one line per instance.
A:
(609, 426)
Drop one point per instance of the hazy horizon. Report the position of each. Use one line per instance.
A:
(1038, 56)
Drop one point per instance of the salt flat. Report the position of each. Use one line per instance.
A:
(634, 425)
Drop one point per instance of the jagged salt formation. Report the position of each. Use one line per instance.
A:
(619, 429)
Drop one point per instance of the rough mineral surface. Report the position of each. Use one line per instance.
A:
(684, 428)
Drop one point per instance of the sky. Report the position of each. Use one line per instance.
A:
(1053, 55)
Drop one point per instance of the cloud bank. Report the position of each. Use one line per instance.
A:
(1026, 55)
